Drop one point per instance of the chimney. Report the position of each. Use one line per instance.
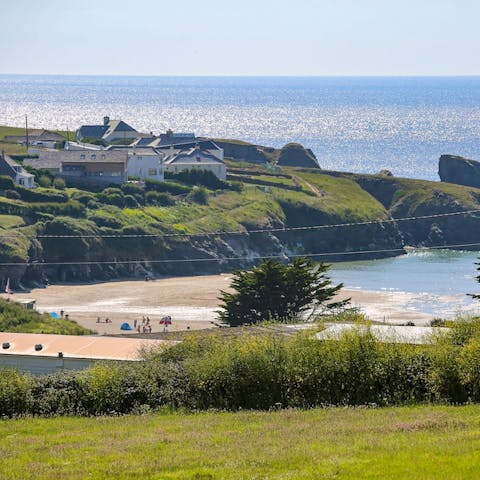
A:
(106, 120)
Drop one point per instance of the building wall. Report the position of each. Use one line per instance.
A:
(111, 172)
(120, 135)
(146, 166)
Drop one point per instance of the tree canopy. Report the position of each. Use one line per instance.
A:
(277, 291)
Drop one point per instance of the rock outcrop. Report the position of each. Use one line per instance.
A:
(296, 155)
(455, 169)
(244, 152)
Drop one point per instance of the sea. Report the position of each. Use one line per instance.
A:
(356, 124)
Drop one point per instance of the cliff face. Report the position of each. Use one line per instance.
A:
(459, 170)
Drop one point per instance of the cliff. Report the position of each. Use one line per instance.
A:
(459, 170)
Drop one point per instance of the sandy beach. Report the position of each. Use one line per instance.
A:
(190, 301)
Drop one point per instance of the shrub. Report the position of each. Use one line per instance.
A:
(14, 392)
(131, 201)
(169, 187)
(45, 181)
(106, 221)
(132, 189)
(83, 197)
(158, 198)
(40, 195)
(198, 195)
(12, 194)
(199, 177)
(59, 183)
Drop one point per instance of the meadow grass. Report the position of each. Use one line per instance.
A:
(419, 442)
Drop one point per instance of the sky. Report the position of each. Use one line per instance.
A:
(240, 37)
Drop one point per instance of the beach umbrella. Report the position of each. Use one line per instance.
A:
(125, 326)
(54, 315)
(166, 320)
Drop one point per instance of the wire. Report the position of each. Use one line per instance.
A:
(248, 232)
(227, 259)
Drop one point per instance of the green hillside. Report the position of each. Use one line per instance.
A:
(14, 318)
(169, 221)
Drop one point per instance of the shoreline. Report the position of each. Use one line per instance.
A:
(192, 303)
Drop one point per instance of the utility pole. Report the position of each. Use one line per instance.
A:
(26, 130)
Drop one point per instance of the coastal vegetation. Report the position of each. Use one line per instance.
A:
(261, 370)
(421, 442)
(14, 318)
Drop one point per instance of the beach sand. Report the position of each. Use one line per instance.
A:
(190, 301)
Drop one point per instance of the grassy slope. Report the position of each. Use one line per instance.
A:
(15, 149)
(412, 443)
(13, 318)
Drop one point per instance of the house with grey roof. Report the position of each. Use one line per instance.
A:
(195, 158)
(10, 168)
(110, 131)
(38, 138)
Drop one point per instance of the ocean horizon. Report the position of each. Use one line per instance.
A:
(358, 124)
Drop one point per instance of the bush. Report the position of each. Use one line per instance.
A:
(39, 195)
(45, 181)
(116, 198)
(168, 187)
(158, 198)
(132, 189)
(14, 393)
(59, 183)
(198, 195)
(106, 221)
(131, 201)
(83, 197)
(12, 194)
(199, 177)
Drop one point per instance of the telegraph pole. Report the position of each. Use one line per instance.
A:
(26, 130)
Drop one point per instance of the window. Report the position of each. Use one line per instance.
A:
(93, 157)
(82, 156)
(152, 172)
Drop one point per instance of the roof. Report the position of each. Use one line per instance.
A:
(128, 149)
(92, 131)
(72, 346)
(118, 126)
(48, 159)
(91, 156)
(9, 167)
(384, 333)
(190, 157)
(202, 144)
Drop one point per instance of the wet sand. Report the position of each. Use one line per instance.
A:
(190, 301)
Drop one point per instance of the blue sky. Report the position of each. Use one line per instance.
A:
(241, 37)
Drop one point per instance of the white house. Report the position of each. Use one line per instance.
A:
(146, 163)
(142, 162)
(16, 172)
(195, 159)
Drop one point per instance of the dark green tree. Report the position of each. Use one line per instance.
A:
(275, 291)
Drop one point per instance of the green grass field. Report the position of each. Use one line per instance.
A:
(412, 443)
